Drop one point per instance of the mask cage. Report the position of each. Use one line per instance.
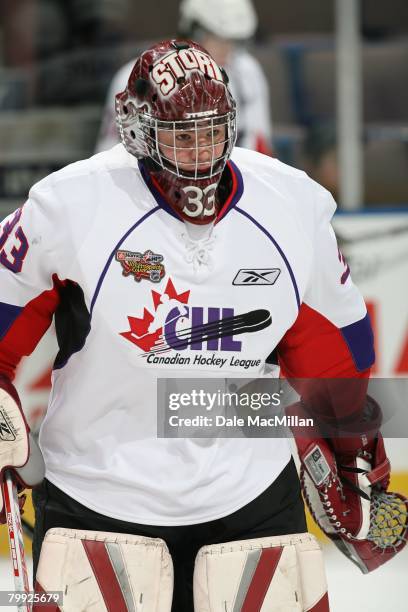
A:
(143, 135)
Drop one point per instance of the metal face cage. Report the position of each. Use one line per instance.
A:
(194, 148)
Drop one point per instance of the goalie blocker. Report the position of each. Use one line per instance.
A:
(19, 452)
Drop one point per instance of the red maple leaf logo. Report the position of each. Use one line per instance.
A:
(139, 326)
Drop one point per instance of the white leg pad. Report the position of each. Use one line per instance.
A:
(106, 572)
(276, 574)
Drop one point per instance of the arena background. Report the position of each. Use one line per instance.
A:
(56, 61)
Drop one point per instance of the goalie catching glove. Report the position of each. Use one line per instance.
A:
(344, 482)
(18, 450)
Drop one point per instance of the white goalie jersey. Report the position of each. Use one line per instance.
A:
(96, 247)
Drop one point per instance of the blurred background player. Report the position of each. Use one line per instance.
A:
(320, 155)
(222, 27)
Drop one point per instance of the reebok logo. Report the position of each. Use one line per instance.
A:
(258, 276)
(6, 429)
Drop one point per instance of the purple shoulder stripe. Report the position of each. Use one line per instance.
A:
(8, 314)
(360, 340)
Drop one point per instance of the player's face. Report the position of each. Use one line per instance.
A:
(191, 149)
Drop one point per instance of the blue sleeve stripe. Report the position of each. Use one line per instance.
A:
(360, 340)
(8, 314)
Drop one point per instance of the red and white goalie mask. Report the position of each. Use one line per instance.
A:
(178, 115)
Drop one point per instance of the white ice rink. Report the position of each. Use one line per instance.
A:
(384, 589)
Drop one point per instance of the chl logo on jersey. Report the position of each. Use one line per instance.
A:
(7, 431)
(177, 325)
(177, 64)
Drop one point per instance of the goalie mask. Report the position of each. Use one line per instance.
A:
(178, 116)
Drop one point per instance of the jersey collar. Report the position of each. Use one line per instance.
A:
(236, 191)
(232, 200)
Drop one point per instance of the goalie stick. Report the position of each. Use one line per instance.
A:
(15, 533)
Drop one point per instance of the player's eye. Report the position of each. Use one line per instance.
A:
(184, 137)
(215, 134)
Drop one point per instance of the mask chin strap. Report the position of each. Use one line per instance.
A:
(151, 165)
